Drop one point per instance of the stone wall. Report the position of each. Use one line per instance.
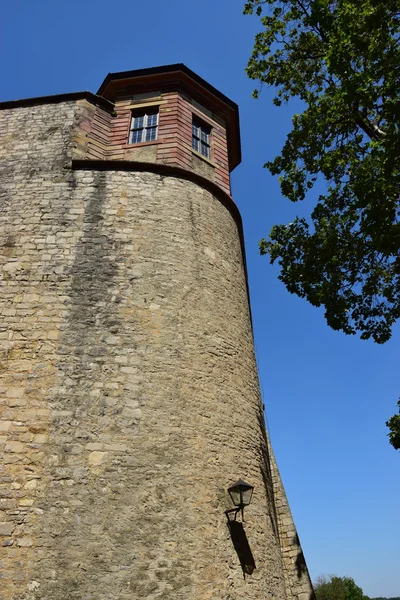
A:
(36, 233)
(129, 393)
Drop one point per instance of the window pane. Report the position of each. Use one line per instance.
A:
(152, 120)
(201, 138)
(151, 134)
(136, 136)
(204, 136)
(205, 150)
(137, 122)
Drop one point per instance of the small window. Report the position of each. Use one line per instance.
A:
(201, 138)
(144, 126)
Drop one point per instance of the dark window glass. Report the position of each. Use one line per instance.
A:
(201, 138)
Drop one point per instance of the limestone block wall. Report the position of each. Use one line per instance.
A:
(129, 393)
(36, 235)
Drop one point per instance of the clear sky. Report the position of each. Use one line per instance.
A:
(327, 395)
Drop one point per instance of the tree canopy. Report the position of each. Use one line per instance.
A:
(342, 60)
(337, 588)
(394, 425)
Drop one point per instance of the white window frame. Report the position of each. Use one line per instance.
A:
(145, 114)
(204, 129)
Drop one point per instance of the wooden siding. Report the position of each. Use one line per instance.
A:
(100, 135)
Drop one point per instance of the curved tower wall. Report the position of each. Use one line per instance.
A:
(130, 391)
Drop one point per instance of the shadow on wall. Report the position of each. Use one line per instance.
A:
(241, 545)
(266, 474)
(301, 566)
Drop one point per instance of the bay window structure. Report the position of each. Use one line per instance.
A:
(144, 126)
(201, 138)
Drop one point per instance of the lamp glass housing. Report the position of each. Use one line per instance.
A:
(241, 493)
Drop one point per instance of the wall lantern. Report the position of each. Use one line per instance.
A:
(241, 494)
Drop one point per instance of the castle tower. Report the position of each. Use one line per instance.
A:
(129, 399)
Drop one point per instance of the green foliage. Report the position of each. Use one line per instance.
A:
(394, 425)
(342, 59)
(381, 598)
(337, 588)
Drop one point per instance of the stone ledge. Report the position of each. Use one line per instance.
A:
(56, 99)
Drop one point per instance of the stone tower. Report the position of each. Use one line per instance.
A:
(129, 399)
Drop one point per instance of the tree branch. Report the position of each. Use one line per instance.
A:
(370, 129)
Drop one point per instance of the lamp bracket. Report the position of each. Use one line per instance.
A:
(235, 511)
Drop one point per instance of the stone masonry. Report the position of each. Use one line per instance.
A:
(129, 398)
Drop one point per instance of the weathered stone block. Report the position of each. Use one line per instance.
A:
(97, 458)
(13, 446)
(6, 529)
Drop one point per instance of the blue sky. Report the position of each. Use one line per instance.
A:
(327, 395)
